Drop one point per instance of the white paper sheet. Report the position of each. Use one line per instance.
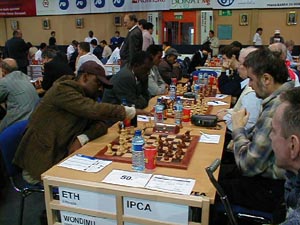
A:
(84, 163)
(210, 138)
(171, 184)
(220, 96)
(214, 103)
(127, 178)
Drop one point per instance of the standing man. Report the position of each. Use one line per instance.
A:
(214, 43)
(258, 182)
(17, 93)
(134, 40)
(52, 40)
(257, 41)
(89, 39)
(285, 138)
(16, 48)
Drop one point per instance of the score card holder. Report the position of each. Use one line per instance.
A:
(204, 120)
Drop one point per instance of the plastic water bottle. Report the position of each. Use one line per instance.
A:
(172, 92)
(178, 108)
(196, 91)
(159, 112)
(138, 159)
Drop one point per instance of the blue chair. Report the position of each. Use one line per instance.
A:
(236, 212)
(9, 141)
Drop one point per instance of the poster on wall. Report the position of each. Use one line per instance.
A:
(196, 4)
(15, 8)
(243, 4)
(206, 24)
(62, 7)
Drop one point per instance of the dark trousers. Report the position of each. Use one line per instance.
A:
(256, 192)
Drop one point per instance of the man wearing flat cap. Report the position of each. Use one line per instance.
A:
(169, 67)
(67, 117)
(276, 38)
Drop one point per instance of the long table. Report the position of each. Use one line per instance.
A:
(90, 183)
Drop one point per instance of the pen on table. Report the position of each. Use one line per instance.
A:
(216, 102)
(204, 134)
(143, 117)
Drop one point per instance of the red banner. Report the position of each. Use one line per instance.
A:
(14, 8)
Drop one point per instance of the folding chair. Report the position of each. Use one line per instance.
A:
(9, 141)
(235, 212)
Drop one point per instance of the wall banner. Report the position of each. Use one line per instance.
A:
(244, 4)
(62, 7)
(104, 6)
(15, 8)
(207, 24)
(190, 4)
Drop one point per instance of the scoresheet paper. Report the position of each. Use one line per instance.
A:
(171, 184)
(85, 163)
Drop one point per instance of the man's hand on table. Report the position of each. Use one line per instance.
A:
(74, 146)
(143, 112)
(239, 119)
(221, 113)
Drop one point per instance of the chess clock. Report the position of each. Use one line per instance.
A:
(166, 128)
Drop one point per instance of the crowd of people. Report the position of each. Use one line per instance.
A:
(80, 104)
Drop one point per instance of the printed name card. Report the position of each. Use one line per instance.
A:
(171, 184)
(70, 218)
(127, 178)
(87, 200)
(160, 211)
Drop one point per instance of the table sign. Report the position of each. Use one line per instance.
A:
(87, 200)
(127, 178)
(171, 184)
(160, 211)
(85, 163)
(70, 218)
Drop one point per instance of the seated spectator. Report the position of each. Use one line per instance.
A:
(67, 118)
(85, 55)
(156, 85)
(97, 49)
(71, 49)
(17, 93)
(169, 67)
(54, 68)
(257, 182)
(247, 99)
(229, 82)
(285, 138)
(38, 54)
(131, 82)
(116, 41)
(276, 38)
(106, 51)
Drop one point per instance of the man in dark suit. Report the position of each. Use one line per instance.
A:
(54, 68)
(16, 48)
(134, 40)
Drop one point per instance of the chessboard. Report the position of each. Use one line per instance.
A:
(205, 91)
(174, 151)
(199, 107)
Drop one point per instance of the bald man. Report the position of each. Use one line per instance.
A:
(17, 93)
